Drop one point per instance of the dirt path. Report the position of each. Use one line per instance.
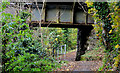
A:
(78, 65)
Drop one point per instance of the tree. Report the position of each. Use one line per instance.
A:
(106, 15)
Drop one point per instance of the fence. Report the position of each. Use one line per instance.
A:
(60, 51)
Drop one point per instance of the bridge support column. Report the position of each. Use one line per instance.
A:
(82, 35)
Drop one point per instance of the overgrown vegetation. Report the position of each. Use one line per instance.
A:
(96, 54)
(56, 37)
(20, 51)
(107, 27)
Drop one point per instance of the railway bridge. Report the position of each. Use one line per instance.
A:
(59, 14)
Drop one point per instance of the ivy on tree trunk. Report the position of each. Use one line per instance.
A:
(103, 12)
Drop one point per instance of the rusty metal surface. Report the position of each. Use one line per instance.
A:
(60, 25)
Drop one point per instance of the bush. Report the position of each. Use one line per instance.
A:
(20, 51)
(107, 28)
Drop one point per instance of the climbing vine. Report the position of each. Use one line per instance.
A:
(107, 27)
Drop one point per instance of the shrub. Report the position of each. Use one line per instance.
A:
(20, 51)
(107, 28)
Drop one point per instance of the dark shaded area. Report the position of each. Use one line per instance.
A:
(82, 35)
(62, 25)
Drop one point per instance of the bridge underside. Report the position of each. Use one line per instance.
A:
(83, 33)
(61, 25)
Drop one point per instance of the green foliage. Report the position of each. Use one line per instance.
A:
(20, 51)
(107, 28)
(31, 62)
(55, 37)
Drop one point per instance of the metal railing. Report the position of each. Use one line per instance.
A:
(61, 50)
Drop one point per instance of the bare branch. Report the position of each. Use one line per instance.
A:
(40, 19)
